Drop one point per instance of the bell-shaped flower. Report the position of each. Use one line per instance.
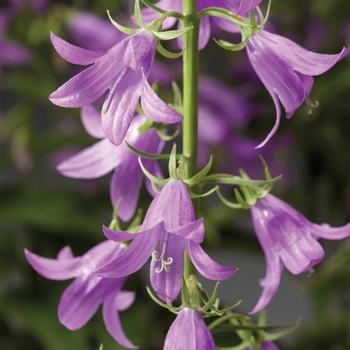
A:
(87, 292)
(122, 70)
(102, 157)
(168, 229)
(238, 7)
(286, 69)
(287, 239)
(189, 332)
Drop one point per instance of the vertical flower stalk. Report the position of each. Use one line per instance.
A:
(190, 100)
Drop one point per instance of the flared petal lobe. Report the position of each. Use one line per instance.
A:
(287, 239)
(84, 295)
(285, 69)
(189, 332)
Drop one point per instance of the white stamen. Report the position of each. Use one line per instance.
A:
(111, 93)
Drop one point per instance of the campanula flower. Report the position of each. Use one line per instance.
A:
(189, 332)
(81, 299)
(122, 70)
(168, 229)
(238, 7)
(287, 239)
(286, 69)
(102, 157)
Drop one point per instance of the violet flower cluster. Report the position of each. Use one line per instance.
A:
(118, 70)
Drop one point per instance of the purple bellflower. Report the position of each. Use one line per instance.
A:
(102, 157)
(189, 332)
(122, 70)
(81, 299)
(168, 229)
(238, 7)
(287, 239)
(286, 69)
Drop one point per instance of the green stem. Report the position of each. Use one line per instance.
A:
(190, 100)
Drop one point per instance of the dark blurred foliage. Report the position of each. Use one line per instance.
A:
(43, 211)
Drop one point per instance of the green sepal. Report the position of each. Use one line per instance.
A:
(138, 16)
(185, 295)
(153, 178)
(211, 301)
(228, 203)
(167, 53)
(240, 199)
(114, 225)
(166, 137)
(228, 309)
(227, 179)
(196, 179)
(136, 222)
(231, 47)
(172, 164)
(206, 194)
(151, 6)
(177, 94)
(125, 30)
(171, 34)
(278, 335)
(145, 154)
(166, 306)
(219, 12)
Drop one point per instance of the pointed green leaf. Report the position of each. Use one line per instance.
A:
(138, 15)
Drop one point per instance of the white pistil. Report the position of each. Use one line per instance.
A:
(157, 257)
(111, 93)
(310, 104)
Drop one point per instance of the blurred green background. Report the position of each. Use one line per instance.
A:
(43, 211)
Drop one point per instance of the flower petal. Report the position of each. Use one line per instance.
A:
(193, 231)
(74, 54)
(89, 163)
(91, 119)
(327, 232)
(135, 255)
(156, 109)
(300, 59)
(53, 269)
(113, 303)
(270, 283)
(81, 299)
(206, 266)
(120, 105)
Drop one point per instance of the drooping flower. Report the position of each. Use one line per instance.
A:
(189, 332)
(168, 229)
(82, 298)
(122, 70)
(286, 69)
(287, 239)
(238, 7)
(102, 157)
